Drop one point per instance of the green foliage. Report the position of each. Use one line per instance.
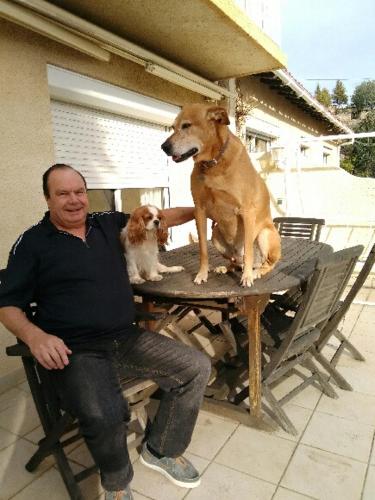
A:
(360, 156)
(347, 165)
(363, 97)
(323, 96)
(339, 95)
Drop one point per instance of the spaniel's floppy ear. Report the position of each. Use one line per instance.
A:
(136, 229)
(218, 114)
(162, 231)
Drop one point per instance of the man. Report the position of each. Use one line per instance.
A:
(72, 265)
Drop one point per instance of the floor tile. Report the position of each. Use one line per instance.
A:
(24, 386)
(369, 490)
(10, 398)
(21, 417)
(350, 319)
(339, 435)
(307, 398)
(324, 475)
(42, 487)
(154, 485)
(222, 483)
(13, 475)
(298, 415)
(210, 434)
(256, 453)
(82, 456)
(364, 343)
(7, 438)
(284, 494)
(51, 481)
(350, 405)
(360, 376)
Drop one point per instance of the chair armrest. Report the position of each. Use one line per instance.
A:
(18, 350)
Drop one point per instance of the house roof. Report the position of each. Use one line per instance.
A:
(213, 38)
(286, 85)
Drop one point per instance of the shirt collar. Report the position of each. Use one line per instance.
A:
(52, 229)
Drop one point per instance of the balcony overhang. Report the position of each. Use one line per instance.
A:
(212, 38)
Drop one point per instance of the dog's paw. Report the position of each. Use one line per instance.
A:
(221, 270)
(247, 279)
(176, 269)
(155, 277)
(201, 277)
(257, 273)
(136, 280)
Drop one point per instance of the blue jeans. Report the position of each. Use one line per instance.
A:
(89, 388)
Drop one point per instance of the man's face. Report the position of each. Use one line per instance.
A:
(67, 202)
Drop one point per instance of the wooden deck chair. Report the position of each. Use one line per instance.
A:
(332, 327)
(296, 227)
(288, 342)
(299, 227)
(61, 428)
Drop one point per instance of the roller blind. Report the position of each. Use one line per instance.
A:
(111, 151)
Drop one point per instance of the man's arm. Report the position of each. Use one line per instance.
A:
(178, 215)
(49, 350)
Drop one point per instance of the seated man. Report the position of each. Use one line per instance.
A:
(72, 265)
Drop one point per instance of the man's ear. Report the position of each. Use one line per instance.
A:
(218, 114)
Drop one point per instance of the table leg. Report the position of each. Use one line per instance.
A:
(253, 306)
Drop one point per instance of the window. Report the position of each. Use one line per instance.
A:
(257, 143)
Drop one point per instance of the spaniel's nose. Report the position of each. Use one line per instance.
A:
(156, 222)
(167, 147)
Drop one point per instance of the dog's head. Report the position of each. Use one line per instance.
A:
(145, 221)
(195, 131)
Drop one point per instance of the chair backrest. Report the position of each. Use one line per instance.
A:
(299, 227)
(331, 275)
(339, 312)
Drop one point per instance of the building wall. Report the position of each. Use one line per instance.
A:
(26, 130)
(305, 186)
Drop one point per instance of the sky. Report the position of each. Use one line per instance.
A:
(329, 39)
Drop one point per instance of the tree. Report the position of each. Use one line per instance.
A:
(325, 97)
(339, 95)
(360, 157)
(318, 92)
(363, 98)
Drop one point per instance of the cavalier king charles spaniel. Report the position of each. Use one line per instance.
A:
(144, 232)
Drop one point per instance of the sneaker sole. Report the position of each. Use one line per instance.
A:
(168, 476)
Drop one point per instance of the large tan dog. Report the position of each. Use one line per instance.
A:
(226, 188)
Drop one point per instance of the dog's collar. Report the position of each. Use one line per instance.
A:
(207, 164)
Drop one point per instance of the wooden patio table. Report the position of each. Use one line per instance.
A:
(223, 292)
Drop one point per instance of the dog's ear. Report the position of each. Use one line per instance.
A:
(136, 229)
(162, 231)
(218, 114)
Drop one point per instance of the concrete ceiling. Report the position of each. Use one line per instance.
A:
(212, 38)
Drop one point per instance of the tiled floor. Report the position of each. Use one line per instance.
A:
(332, 458)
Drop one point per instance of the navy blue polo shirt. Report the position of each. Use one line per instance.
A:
(82, 289)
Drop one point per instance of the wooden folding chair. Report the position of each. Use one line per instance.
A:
(331, 328)
(289, 341)
(296, 227)
(58, 424)
(299, 227)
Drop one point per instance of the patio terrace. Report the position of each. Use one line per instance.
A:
(332, 458)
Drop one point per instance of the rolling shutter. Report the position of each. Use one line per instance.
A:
(111, 151)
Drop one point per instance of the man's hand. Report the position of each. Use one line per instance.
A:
(50, 351)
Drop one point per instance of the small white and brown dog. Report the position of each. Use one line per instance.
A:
(144, 232)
